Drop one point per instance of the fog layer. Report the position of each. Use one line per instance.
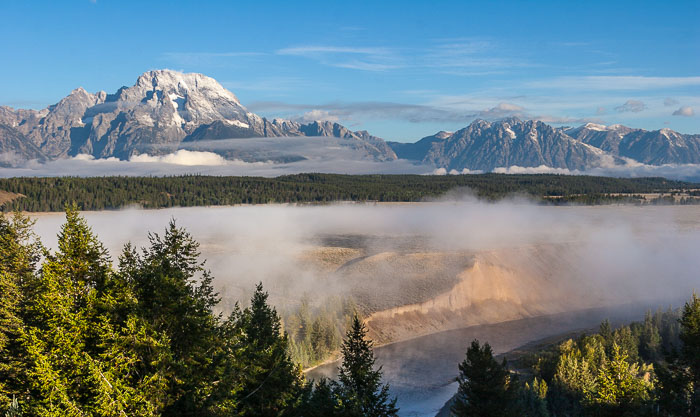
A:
(614, 253)
(270, 157)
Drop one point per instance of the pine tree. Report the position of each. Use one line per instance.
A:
(650, 339)
(320, 400)
(626, 341)
(690, 352)
(19, 254)
(606, 333)
(533, 399)
(80, 356)
(360, 386)
(272, 382)
(486, 388)
(175, 298)
(620, 386)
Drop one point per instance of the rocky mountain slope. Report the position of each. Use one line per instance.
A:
(166, 110)
(15, 146)
(656, 147)
(487, 145)
(163, 109)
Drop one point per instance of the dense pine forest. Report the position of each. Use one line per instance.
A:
(79, 337)
(100, 193)
(648, 368)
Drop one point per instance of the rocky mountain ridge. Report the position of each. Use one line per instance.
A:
(656, 147)
(166, 109)
(161, 110)
(509, 142)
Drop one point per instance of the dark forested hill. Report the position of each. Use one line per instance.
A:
(99, 193)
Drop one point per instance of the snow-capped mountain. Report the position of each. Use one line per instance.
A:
(487, 145)
(166, 110)
(655, 147)
(163, 109)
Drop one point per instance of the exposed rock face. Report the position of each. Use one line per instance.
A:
(14, 147)
(166, 108)
(655, 147)
(417, 151)
(155, 115)
(53, 129)
(487, 145)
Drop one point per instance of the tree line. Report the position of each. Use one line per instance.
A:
(100, 193)
(315, 334)
(649, 368)
(81, 337)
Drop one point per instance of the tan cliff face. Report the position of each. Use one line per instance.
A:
(408, 295)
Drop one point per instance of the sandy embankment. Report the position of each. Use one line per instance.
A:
(466, 289)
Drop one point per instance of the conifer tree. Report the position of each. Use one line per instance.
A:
(679, 374)
(175, 298)
(19, 254)
(533, 399)
(690, 352)
(272, 382)
(360, 386)
(486, 388)
(79, 355)
(650, 339)
(620, 386)
(320, 400)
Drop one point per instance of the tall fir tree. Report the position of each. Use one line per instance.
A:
(175, 298)
(690, 352)
(486, 388)
(19, 253)
(272, 382)
(79, 354)
(360, 385)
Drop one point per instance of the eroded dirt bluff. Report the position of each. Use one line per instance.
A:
(406, 295)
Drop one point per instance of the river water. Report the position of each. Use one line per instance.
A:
(421, 371)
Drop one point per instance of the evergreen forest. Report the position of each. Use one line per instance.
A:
(52, 194)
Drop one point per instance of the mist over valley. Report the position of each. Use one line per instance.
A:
(419, 270)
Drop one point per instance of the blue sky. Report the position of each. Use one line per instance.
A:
(400, 69)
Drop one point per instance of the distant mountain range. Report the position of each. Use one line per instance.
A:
(487, 145)
(162, 110)
(166, 110)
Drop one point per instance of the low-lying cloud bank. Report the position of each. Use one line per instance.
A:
(685, 172)
(270, 157)
(625, 253)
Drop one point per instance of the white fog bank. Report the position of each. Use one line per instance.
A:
(627, 252)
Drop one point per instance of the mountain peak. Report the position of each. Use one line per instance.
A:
(79, 91)
(594, 126)
(182, 84)
(512, 120)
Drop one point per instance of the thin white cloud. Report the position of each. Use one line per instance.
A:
(208, 58)
(312, 50)
(414, 113)
(631, 169)
(613, 82)
(350, 57)
(183, 157)
(502, 110)
(210, 54)
(686, 111)
(631, 106)
(270, 84)
(450, 56)
(316, 114)
(364, 66)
